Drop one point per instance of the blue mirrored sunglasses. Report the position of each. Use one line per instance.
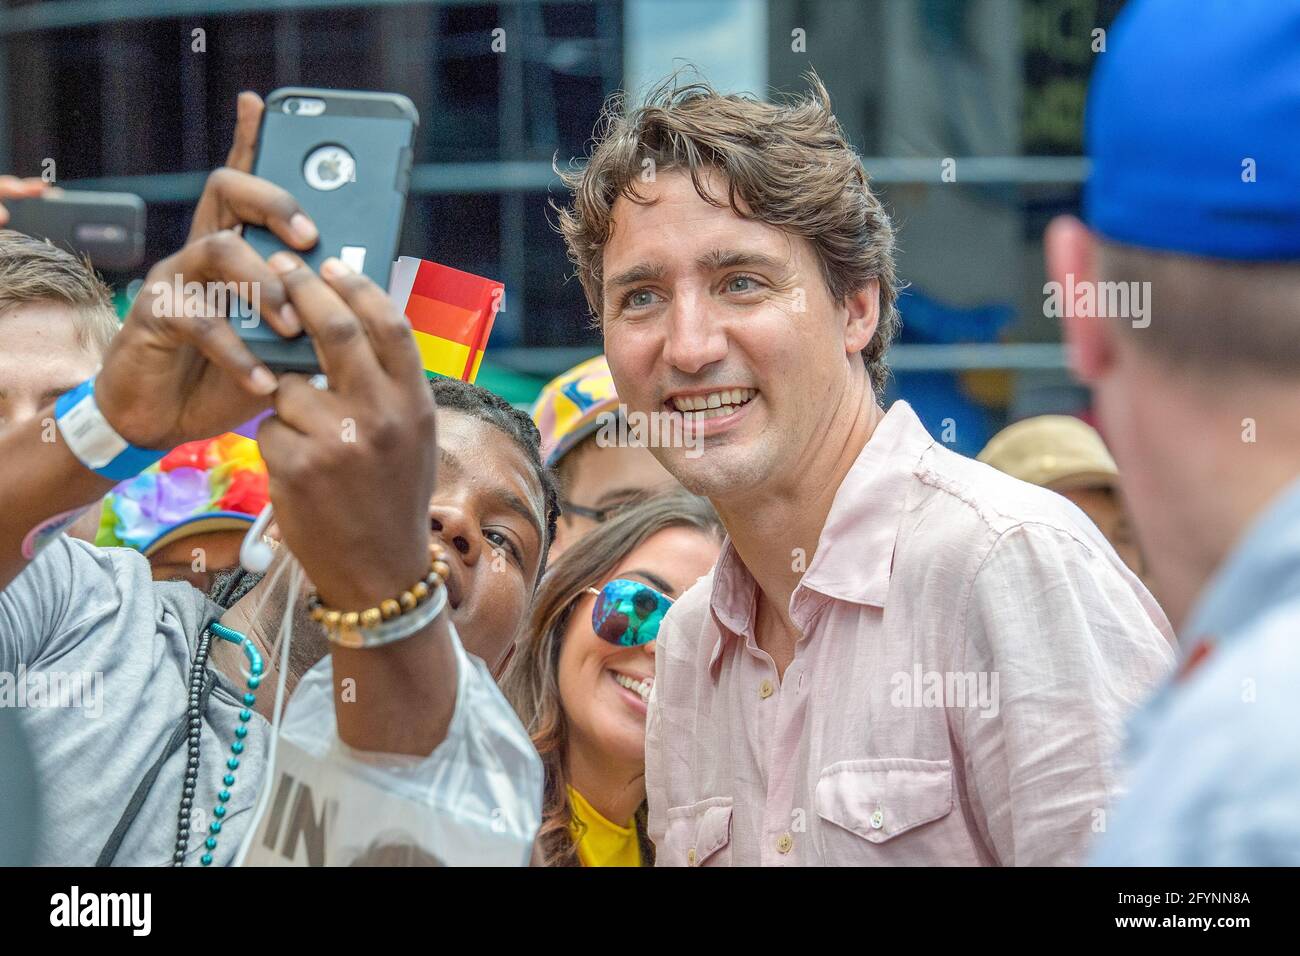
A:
(628, 613)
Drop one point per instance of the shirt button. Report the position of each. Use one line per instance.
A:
(877, 820)
(765, 689)
(784, 843)
(690, 857)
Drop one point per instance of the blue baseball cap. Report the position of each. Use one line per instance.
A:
(1193, 128)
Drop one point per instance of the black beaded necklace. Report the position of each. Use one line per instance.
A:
(200, 687)
(194, 717)
(190, 730)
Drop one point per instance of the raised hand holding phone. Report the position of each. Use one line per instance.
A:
(233, 197)
(352, 468)
(11, 187)
(172, 374)
(351, 471)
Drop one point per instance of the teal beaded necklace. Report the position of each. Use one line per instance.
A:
(255, 669)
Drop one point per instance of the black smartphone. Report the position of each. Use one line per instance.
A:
(107, 227)
(346, 157)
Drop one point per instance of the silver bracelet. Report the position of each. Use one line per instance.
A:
(398, 629)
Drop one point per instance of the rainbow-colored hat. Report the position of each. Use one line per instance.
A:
(218, 484)
(570, 407)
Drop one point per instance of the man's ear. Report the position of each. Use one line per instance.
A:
(1070, 251)
(500, 669)
(863, 308)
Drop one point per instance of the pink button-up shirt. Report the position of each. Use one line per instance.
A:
(971, 648)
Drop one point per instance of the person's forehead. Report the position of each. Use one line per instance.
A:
(487, 456)
(600, 470)
(47, 321)
(678, 218)
(670, 555)
(1098, 496)
(219, 547)
(39, 351)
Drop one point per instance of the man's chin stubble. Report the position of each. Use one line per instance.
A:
(309, 644)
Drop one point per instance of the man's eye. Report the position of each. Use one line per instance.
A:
(500, 540)
(617, 504)
(742, 284)
(640, 298)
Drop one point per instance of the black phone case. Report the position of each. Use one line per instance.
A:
(107, 227)
(378, 129)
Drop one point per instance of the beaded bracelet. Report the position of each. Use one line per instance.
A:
(400, 627)
(374, 626)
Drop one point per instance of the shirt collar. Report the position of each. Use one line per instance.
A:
(855, 550)
(593, 818)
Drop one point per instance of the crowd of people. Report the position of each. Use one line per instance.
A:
(807, 633)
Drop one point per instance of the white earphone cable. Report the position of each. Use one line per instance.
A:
(283, 640)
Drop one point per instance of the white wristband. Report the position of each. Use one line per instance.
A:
(94, 442)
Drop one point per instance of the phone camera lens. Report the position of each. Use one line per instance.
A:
(291, 106)
(329, 167)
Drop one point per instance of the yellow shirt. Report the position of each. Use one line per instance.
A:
(601, 843)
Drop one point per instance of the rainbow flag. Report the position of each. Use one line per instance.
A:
(451, 314)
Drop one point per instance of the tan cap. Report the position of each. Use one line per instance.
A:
(1060, 452)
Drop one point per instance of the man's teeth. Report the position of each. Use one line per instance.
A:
(701, 408)
(641, 687)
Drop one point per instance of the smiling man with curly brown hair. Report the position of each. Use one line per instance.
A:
(901, 656)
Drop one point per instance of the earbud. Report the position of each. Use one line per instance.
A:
(255, 553)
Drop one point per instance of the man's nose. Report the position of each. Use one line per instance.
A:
(455, 528)
(694, 340)
(18, 411)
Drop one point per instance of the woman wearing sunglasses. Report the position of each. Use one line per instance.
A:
(582, 673)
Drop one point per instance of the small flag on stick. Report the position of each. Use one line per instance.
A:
(451, 314)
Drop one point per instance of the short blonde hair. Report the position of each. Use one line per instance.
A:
(789, 163)
(36, 270)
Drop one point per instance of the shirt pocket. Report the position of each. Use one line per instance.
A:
(697, 835)
(866, 805)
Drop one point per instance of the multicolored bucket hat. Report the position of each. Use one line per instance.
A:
(570, 407)
(218, 484)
